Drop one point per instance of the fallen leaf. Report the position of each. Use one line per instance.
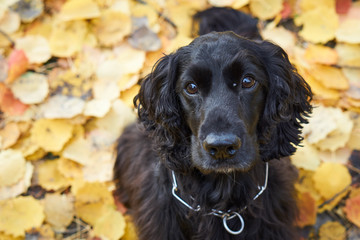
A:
(306, 157)
(90, 212)
(343, 6)
(28, 10)
(349, 54)
(9, 135)
(109, 31)
(10, 22)
(281, 36)
(30, 88)
(307, 210)
(49, 176)
(51, 134)
(73, 31)
(79, 9)
(349, 31)
(319, 24)
(145, 39)
(59, 210)
(352, 209)
(69, 168)
(266, 9)
(128, 95)
(36, 48)
(307, 5)
(7, 192)
(12, 167)
(100, 168)
(130, 229)
(79, 150)
(330, 77)
(326, 183)
(111, 225)
(221, 3)
(321, 54)
(332, 231)
(17, 65)
(60, 106)
(20, 214)
(131, 59)
(341, 155)
(9, 104)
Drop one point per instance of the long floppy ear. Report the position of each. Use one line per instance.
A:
(160, 111)
(287, 105)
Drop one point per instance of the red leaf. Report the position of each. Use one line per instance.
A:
(9, 104)
(343, 6)
(352, 209)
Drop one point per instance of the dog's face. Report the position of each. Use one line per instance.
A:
(222, 90)
(223, 103)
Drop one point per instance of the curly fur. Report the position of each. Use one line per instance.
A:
(267, 118)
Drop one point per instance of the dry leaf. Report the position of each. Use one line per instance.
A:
(321, 54)
(332, 231)
(28, 10)
(26, 146)
(145, 39)
(60, 106)
(109, 31)
(130, 229)
(308, 209)
(20, 214)
(349, 31)
(9, 135)
(111, 225)
(319, 24)
(326, 183)
(128, 95)
(30, 88)
(59, 210)
(306, 157)
(330, 77)
(73, 31)
(79, 150)
(20, 187)
(9, 104)
(10, 22)
(49, 176)
(221, 3)
(90, 212)
(266, 9)
(12, 167)
(17, 65)
(349, 54)
(94, 192)
(341, 155)
(131, 59)
(352, 209)
(307, 5)
(51, 134)
(69, 168)
(100, 167)
(97, 108)
(79, 9)
(36, 48)
(281, 36)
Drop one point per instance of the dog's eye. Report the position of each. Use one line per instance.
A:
(191, 88)
(248, 82)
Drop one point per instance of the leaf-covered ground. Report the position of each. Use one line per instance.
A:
(68, 73)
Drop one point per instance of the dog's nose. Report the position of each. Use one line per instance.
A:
(222, 146)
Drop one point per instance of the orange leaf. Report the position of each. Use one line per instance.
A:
(18, 64)
(308, 209)
(9, 104)
(352, 210)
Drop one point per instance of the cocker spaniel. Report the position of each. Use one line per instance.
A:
(211, 117)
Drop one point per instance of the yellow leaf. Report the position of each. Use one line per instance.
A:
(4, 236)
(90, 212)
(321, 54)
(9, 135)
(221, 3)
(320, 90)
(330, 77)
(281, 36)
(100, 167)
(319, 24)
(59, 210)
(109, 31)
(60, 106)
(237, 4)
(79, 150)
(307, 210)
(307, 5)
(51, 134)
(354, 141)
(26, 146)
(12, 167)
(128, 95)
(306, 157)
(69, 168)
(20, 187)
(266, 9)
(94, 192)
(10, 22)
(332, 231)
(341, 155)
(79, 9)
(130, 229)
(20, 214)
(325, 181)
(349, 54)
(111, 225)
(36, 48)
(131, 59)
(73, 31)
(31, 88)
(49, 176)
(349, 31)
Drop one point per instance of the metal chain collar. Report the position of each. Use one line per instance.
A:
(228, 215)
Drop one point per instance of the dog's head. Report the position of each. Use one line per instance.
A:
(223, 103)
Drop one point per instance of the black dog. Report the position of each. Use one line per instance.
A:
(211, 116)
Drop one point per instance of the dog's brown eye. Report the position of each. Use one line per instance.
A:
(191, 88)
(248, 82)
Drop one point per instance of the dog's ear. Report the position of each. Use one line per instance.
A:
(159, 111)
(287, 105)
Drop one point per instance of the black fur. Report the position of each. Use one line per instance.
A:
(173, 126)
